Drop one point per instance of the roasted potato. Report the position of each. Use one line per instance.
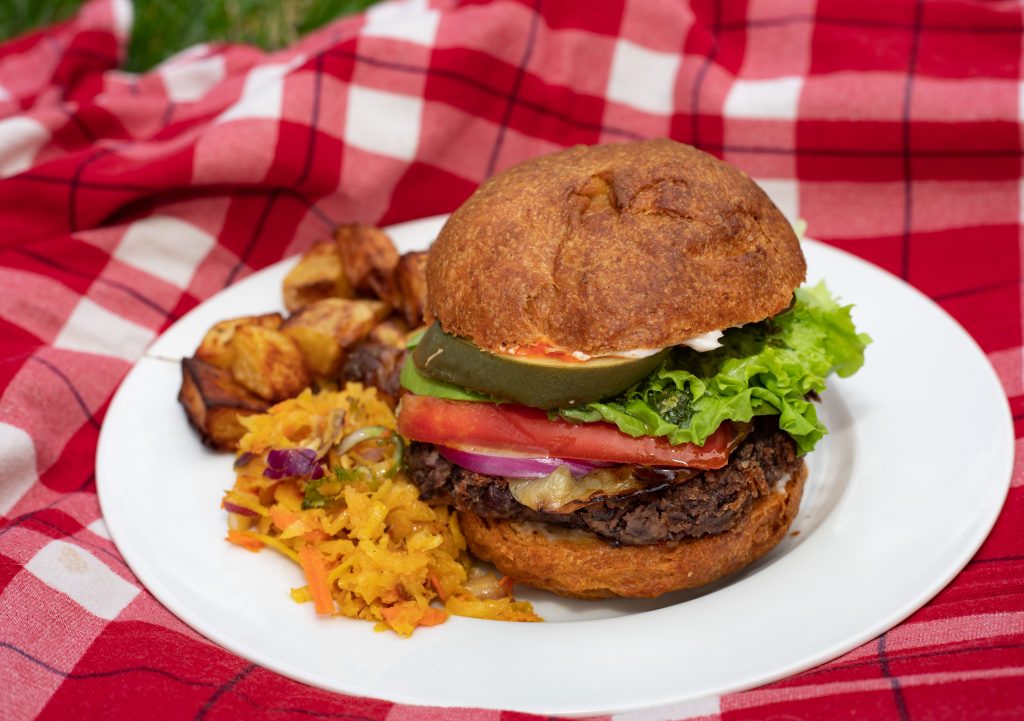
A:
(377, 365)
(392, 331)
(324, 328)
(216, 346)
(214, 403)
(318, 275)
(410, 280)
(368, 258)
(268, 363)
(355, 293)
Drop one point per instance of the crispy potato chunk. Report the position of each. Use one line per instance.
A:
(318, 275)
(377, 365)
(268, 363)
(368, 258)
(410, 279)
(214, 403)
(216, 345)
(393, 332)
(324, 328)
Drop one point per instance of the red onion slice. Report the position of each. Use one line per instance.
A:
(282, 463)
(240, 510)
(516, 466)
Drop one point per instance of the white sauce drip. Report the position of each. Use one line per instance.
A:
(704, 343)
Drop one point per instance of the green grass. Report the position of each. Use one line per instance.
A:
(19, 16)
(163, 27)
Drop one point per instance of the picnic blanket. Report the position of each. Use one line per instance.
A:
(893, 128)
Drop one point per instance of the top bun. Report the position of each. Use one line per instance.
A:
(612, 248)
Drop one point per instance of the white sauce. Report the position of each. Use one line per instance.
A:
(635, 353)
(700, 343)
(704, 343)
(780, 485)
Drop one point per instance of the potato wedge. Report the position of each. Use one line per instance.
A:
(318, 275)
(410, 280)
(214, 403)
(392, 331)
(216, 345)
(268, 363)
(325, 327)
(369, 258)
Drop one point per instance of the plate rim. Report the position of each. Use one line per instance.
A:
(980, 532)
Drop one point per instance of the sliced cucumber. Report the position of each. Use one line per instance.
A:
(536, 382)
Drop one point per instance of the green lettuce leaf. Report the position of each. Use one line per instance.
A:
(766, 368)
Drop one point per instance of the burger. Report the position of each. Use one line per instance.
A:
(618, 389)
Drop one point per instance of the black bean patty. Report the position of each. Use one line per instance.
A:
(710, 502)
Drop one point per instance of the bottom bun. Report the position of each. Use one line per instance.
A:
(575, 563)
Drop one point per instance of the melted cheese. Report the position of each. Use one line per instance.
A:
(562, 492)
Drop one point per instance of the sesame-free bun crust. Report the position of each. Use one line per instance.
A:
(612, 247)
(580, 565)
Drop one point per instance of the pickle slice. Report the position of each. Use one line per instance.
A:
(535, 382)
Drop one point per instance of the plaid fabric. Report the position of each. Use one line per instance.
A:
(893, 128)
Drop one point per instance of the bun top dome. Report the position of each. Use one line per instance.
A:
(611, 248)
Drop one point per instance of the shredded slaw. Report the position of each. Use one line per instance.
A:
(336, 502)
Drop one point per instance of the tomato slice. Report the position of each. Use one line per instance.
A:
(507, 427)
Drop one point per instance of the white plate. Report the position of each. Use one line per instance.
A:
(891, 514)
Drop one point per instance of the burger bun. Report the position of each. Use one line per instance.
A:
(577, 564)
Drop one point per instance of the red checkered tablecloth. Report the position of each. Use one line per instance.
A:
(894, 128)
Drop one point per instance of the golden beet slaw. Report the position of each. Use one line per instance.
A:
(320, 480)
